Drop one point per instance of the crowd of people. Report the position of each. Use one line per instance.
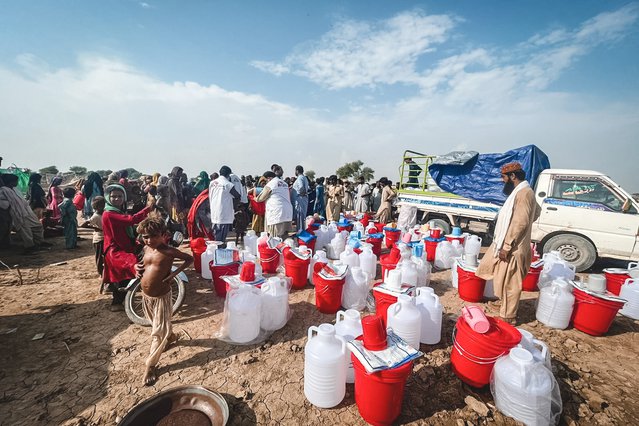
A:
(210, 205)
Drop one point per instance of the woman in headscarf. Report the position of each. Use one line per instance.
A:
(54, 198)
(202, 183)
(91, 189)
(176, 198)
(119, 242)
(384, 213)
(36, 196)
(258, 209)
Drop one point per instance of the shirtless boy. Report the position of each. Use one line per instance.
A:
(156, 278)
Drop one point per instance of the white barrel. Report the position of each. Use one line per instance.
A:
(355, 291)
(245, 306)
(324, 367)
(555, 304)
(348, 324)
(349, 257)
(274, 314)
(405, 320)
(368, 263)
(431, 311)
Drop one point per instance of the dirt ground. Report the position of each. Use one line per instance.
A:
(87, 368)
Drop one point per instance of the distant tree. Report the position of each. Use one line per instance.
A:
(51, 170)
(310, 174)
(78, 170)
(104, 173)
(354, 169)
(133, 174)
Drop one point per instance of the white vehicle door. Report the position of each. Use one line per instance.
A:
(589, 206)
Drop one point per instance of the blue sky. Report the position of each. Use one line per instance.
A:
(153, 84)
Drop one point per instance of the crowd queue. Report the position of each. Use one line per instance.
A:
(210, 205)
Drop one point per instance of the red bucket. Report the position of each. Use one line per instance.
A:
(376, 244)
(470, 286)
(310, 244)
(198, 246)
(593, 315)
(347, 228)
(452, 238)
(382, 302)
(392, 237)
(431, 249)
(218, 271)
(379, 395)
(387, 264)
(328, 294)
(473, 355)
(269, 259)
(614, 281)
(297, 270)
(531, 279)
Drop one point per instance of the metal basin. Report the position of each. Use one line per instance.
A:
(180, 406)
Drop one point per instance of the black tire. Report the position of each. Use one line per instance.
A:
(133, 302)
(442, 224)
(574, 249)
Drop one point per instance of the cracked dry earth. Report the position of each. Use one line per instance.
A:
(86, 370)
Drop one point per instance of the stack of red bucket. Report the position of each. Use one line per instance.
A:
(392, 236)
(218, 271)
(594, 314)
(379, 395)
(532, 278)
(615, 277)
(269, 259)
(470, 286)
(328, 292)
(296, 268)
(474, 354)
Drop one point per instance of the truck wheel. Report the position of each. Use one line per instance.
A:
(574, 249)
(442, 224)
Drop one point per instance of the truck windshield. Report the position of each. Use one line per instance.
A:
(587, 191)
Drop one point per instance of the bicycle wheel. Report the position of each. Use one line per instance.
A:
(133, 302)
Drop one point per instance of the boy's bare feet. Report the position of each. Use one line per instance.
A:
(150, 376)
(173, 338)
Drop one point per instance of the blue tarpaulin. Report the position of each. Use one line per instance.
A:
(479, 178)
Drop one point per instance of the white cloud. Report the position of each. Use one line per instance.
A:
(104, 113)
(145, 5)
(356, 53)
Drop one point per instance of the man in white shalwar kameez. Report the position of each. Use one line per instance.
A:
(508, 258)
(299, 198)
(362, 196)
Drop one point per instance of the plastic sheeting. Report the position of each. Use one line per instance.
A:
(478, 177)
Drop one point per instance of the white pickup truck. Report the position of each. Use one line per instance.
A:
(584, 214)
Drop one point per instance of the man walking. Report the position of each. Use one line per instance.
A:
(508, 259)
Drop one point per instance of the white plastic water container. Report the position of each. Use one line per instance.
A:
(274, 314)
(431, 311)
(348, 324)
(409, 273)
(423, 271)
(444, 256)
(319, 256)
(458, 248)
(250, 242)
(393, 279)
(349, 257)
(368, 263)
(472, 245)
(245, 308)
(555, 304)
(555, 267)
(358, 226)
(537, 348)
(454, 277)
(323, 237)
(206, 258)
(523, 389)
(370, 229)
(355, 289)
(489, 289)
(405, 320)
(332, 230)
(630, 292)
(324, 367)
(262, 239)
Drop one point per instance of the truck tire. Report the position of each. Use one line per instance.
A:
(442, 224)
(574, 249)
